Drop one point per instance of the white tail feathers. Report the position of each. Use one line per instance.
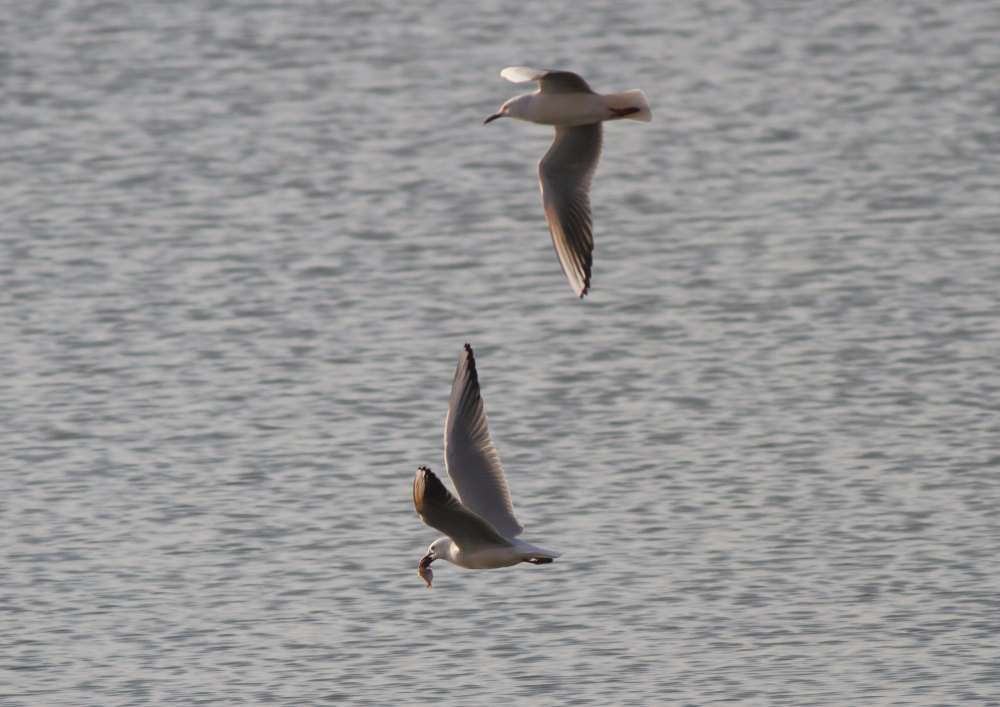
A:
(627, 100)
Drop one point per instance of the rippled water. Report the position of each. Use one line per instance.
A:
(243, 244)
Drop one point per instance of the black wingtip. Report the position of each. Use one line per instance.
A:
(428, 478)
(587, 265)
(424, 483)
(473, 374)
(428, 485)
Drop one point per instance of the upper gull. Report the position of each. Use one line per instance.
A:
(564, 100)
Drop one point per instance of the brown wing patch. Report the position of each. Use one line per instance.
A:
(439, 509)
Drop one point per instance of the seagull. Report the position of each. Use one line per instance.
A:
(564, 100)
(480, 525)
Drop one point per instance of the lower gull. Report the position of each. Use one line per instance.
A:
(480, 525)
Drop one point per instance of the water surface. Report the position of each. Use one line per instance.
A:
(243, 245)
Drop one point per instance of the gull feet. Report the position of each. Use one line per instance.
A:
(622, 112)
(540, 560)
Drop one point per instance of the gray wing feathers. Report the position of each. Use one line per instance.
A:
(471, 458)
(562, 82)
(439, 509)
(549, 81)
(565, 174)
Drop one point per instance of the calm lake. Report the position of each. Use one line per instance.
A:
(243, 244)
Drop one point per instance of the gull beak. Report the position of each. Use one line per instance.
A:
(492, 118)
(426, 561)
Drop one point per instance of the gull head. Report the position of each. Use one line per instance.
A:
(514, 108)
(440, 549)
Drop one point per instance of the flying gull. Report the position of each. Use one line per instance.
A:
(564, 100)
(480, 525)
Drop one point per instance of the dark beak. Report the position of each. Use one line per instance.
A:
(426, 561)
(492, 118)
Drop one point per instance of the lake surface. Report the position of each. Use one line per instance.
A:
(243, 244)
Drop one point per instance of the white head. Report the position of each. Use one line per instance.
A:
(440, 549)
(514, 108)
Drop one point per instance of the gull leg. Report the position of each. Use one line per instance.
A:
(622, 112)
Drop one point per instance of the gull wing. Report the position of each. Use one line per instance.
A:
(439, 509)
(472, 460)
(565, 173)
(549, 81)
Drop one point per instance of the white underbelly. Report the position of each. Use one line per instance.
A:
(568, 109)
(488, 558)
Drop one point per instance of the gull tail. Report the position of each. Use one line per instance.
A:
(632, 104)
(542, 557)
(534, 554)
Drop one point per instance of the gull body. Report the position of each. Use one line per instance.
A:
(490, 557)
(566, 101)
(566, 109)
(480, 526)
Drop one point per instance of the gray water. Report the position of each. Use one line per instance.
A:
(242, 246)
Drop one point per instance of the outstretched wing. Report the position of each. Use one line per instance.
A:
(565, 173)
(472, 460)
(439, 509)
(549, 81)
